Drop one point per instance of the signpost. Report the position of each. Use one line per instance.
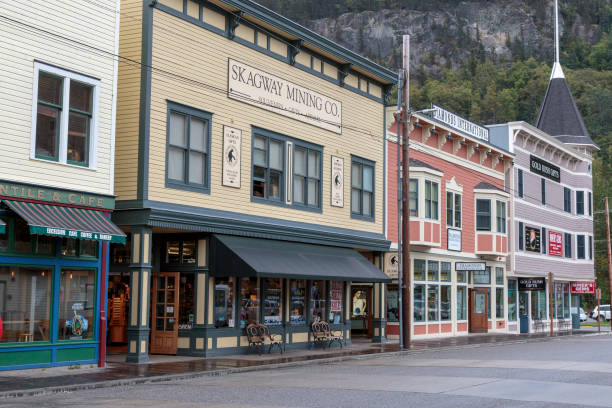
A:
(598, 295)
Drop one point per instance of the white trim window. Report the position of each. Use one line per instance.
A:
(64, 116)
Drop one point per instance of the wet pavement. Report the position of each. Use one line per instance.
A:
(15, 383)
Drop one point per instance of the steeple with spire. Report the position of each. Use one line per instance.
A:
(559, 115)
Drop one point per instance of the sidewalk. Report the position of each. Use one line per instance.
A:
(163, 368)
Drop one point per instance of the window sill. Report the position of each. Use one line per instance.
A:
(362, 217)
(69, 164)
(285, 205)
(188, 187)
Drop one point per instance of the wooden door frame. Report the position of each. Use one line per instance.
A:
(153, 314)
(471, 313)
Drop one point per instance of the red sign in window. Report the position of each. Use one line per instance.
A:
(582, 288)
(555, 243)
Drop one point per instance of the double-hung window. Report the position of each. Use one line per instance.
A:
(362, 188)
(520, 183)
(543, 190)
(188, 147)
(543, 239)
(501, 217)
(268, 168)
(306, 176)
(414, 197)
(568, 245)
(580, 247)
(453, 209)
(580, 202)
(65, 111)
(590, 247)
(483, 215)
(567, 200)
(590, 203)
(431, 200)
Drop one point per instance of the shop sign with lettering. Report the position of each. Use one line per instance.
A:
(532, 284)
(555, 243)
(391, 264)
(259, 88)
(544, 168)
(532, 239)
(52, 195)
(457, 122)
(470, 266)
(337, 182)
(582, 288)
(231, 156)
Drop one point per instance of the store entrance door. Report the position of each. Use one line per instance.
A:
(478, 311)
(361, 313)
(524, 312)
(165, 304)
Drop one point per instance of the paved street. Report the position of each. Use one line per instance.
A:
(569, 371)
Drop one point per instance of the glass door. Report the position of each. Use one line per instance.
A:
(165, 304)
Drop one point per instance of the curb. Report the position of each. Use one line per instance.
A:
(217, 373)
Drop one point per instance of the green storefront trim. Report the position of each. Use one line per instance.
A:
(26, 357)
(76, 354)
(66, 233)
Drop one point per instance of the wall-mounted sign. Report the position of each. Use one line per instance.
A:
(232, 138)
(459, 123)
(582, 288)
(470, 266)
(532, 239)
(555, 243)
(453, 239)
(544, 168)
(53, 195)
(256, 87)
(391, 264)
(532, 284)
(337, 182)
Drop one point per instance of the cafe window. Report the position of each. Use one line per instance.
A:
(414, 197)
(512, 300)
(362, 188)
(188, 148)
(17, 239)
(499, 303)
(224, 302)
(76, 304)
(483, 215)
(432, 270)
(419, 269)
(317, 301)
(538, 305)
(26, 304)
(501, 217)
(336, 290)
(186, 297)
(272, 296)
(445, 271)
(268, 168)
(432, 303)
(181, 252)
(461, 303)
(62, 94)
(482, 277)
(392, 303)
(306, 177)
(72, 247)
(453, 209)
(431, 200)
(419, 303)
(297, 289)
(445, 303)
(249, 301)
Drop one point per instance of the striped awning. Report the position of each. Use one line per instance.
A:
(69, 222)
(2, 227)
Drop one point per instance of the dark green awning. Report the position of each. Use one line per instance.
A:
(239, 256)
(2, 227)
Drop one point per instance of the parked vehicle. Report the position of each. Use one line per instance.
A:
(603, 312)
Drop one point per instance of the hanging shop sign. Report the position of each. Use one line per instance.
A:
(582, 288)
(232, 139)
(259, 88)
(545, 169)
(532, 239)
(53, 195)
(457, 122)
(337, 182)
(555, 243)
(453, 238)
(470, 266)
(391, 265)
(532, 284)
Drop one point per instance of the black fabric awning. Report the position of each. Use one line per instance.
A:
(242, 257)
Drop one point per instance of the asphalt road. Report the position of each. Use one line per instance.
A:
(563, 372)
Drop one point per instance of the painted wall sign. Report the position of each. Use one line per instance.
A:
(582, 288)
(470, 266)
(555, 243)
(531, 284)
(232, 156)
(532, 239)
(457, 122)
(453, 238)
(256, 87)
(391, 264)
(337, 182)
(544, 168)
(51, 195)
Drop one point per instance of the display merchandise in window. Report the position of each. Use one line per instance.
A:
(272, 302)
(499, 303)
(432, 270)
(419, 303)
(186, 297)
(76, 304)
(432, 303)
(297, 302)
(392, 303)
(461, 303)
(336, 291)
(317, 301)
(445, 271)
(538, 305)
(445, 302)
(419, 269)
(224, 302)
(482, 277)
(249, 301)
(512, 300)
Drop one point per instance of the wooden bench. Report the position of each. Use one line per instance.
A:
(322, 334)
(258, 336)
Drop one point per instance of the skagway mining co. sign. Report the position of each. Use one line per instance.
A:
(267, 91)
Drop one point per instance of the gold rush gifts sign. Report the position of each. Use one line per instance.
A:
(231, 156)
(255, 87)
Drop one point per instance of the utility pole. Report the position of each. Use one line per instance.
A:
(405, 134)
(398, 119)
(550, 302)
(609, 250)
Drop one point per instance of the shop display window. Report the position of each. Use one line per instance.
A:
(76, 304)
(189, 252)
(419, 303)
(25, 304)
(499, 276)
(17, 239)
(482, 277)
(432, 303)
(22, 236)
(445, 302)
(317, 301)
(461, 276)
(224, 302)
(461, 303)
(499, 303)
(298, 302)
(419, 269)
(186, 300)
(538, 305)
(336, 290)
(432, 270)
(561, 307)
(512, 300)
(120, 254)
(79, 248)
(181, 252)
(445, 271)
(249, 301)
(173, 252)
(392, 303)
(272, 302)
